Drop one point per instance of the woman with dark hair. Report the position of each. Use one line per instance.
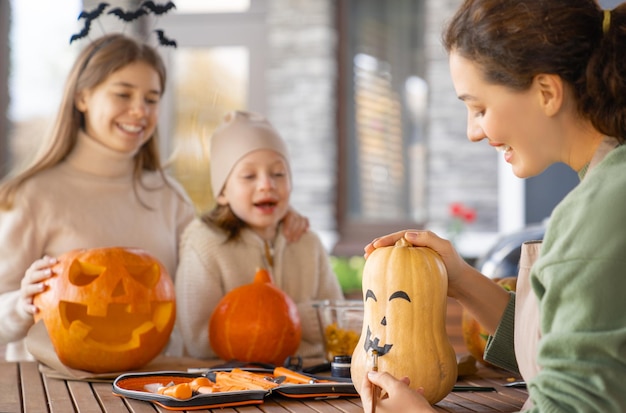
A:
(545, 82)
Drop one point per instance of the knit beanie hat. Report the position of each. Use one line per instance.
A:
(239, 134)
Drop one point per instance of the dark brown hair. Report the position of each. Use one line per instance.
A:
(514, 40)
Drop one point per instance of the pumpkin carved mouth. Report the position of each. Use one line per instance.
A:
(370, 344)
(119, 329)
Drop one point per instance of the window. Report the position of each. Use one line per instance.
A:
(208, 82)
(40, 59)
(382, 104)
(210, 73)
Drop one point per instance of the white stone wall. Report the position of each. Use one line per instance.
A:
(302, 102)
(458, 170)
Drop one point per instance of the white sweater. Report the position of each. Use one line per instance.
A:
(210, 267)
(87, 201)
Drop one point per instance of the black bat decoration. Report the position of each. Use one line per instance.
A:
(128, 16)
(84, 32)
(164, 41)
(158, 9)
(94, 14)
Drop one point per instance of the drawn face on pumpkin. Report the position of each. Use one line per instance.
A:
(108, 302)
(387, 312)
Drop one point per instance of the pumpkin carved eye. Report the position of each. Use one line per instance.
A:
(84, 273)
(145, 274)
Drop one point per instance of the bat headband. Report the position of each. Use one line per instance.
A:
(145, 8)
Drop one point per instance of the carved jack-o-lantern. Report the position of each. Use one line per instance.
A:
(108, 309)
(404, 320)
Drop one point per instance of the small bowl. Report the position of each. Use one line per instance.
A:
(341, 322)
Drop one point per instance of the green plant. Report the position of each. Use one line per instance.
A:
(349, 271)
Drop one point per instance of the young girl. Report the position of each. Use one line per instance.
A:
(544, 82)
(251, 181)
(97, 181)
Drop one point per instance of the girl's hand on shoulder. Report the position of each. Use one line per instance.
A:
(397, 395)
(294, 225)
(34, 282)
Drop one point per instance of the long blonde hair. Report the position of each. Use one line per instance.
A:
(95, 63)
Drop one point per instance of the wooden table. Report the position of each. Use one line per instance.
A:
(24, 389)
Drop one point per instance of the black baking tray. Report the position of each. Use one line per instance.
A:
(132, 385)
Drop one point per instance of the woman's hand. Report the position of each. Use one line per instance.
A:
(455, 264)
(34, 282)
(398, 396)
(294, 225)
(385, 241)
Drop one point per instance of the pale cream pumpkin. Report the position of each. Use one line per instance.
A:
(405, 299)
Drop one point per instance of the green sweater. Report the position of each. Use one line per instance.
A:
(580, 283)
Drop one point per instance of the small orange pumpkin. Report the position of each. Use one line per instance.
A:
(108, 309)
(474, 335)
(256, 322)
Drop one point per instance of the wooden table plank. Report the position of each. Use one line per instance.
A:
(469, 403)
(305, 405)
(35, 400)
(348, 405)
(83, 396)
(495, 400)
(249, 409)
(138, 406)
(59, 398)
(108, 401)
(10, 390)
(272, 406)
(446, 406)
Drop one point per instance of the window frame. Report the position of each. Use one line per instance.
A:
(353, 233)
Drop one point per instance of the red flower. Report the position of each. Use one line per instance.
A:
(469, 215)
(466, 214)
(456, 209)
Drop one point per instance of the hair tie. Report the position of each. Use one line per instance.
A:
(606, 22)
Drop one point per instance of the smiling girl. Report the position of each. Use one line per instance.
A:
(251, 181)
(97, 181)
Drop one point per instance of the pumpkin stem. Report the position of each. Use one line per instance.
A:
(262, 275)
(402, 242)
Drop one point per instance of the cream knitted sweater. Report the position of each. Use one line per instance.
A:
(210, 267)
(87, 201)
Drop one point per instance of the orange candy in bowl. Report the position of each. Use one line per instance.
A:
(341, 322)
